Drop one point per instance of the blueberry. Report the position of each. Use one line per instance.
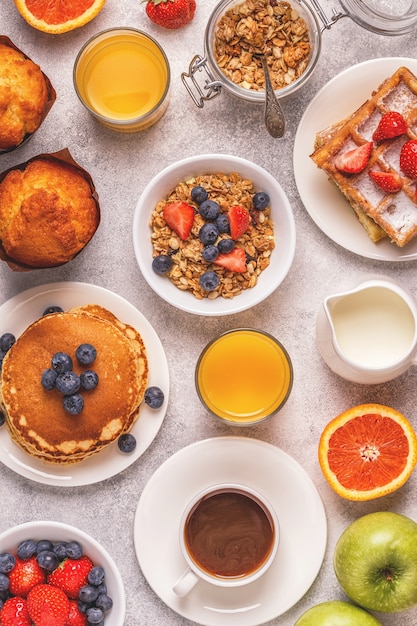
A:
(199, 194)
(47, 560)
(126, 443)
(6, 341)
(86, 354)
(7, 562)
(74, 550)
(154, 397)
(52, 309)
(161, 264)
(208, 234)
(260, 200)
(26, 549)
(60, 550)
(226, 245)
(94, 615)
(210, 253)
(4, 582)
(88, 593)
(89, 379)
(209, 281)
(222, 223)
(96, 575)
(2, 418)
(2, 355)
(68, 383)
(209, 210)
(61, 362)
(104, 602)
(48, 379)
(102, 588)
(44, 544)
(73, 404)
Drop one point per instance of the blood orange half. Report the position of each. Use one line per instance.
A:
(58, 16)
(367, 452)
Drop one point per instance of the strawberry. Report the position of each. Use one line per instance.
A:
(234, 261)
(408, 158)
(26, 574)
(239, 220)
(75, 617)
(15, 613)
(387, 181)
(48, 606)
(170, 13)
(180, 217)
(391, 124)
(71, 575)
(355, 160)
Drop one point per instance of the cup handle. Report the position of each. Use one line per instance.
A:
(185, 583)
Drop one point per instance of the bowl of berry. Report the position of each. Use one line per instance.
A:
(214, 234)
(57, 572)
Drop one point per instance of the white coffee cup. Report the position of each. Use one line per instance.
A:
(229, 536)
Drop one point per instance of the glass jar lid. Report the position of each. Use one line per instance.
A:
(385, 17)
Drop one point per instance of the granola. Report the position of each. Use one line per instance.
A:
(188, 264)
(273, 28)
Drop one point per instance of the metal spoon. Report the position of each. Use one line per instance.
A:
(274, 116)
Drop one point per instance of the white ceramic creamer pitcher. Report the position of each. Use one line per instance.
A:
(368, 334)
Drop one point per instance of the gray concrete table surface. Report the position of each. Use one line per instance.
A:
(121, 165)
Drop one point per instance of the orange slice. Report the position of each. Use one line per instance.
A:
(367, 452)
(58, 16)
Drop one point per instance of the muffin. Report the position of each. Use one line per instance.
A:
(26, 96)
(49, 211)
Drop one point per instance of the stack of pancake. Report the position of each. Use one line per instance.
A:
(36, 417)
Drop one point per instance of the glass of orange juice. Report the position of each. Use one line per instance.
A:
(122, 76)
(244, 376)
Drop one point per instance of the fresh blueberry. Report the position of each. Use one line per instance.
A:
(48, 379)
(7, 562)
(260, 200)
(26, 549)
(126, 443)
(96, 575)
(104, 602)
(210, 253)
(61, 362)
(73, 404)
(199, 194)
(154, 397)
(209, 210)
(161, 264)
(60, 550)
(89, 379)
(74, 550)
(52, 309)
(2, 355)
(47, 560)
(4, 582)
(68, 383)
(6, 341)
(94, 615)
(102, 588)
(86, 354)
(88, 593)
(208, 234)
(2, 418)
(44, 544)
(222, 223)
(209, 281)
(226, 245)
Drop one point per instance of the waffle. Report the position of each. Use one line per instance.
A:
(382, 214)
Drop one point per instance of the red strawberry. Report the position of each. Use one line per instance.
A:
(391, 124)
(180, 217)
(408, 158)
(71, 575)
(239, 220)
(234, 261)
(25, 575)
(171, 13)
(48, 606)
(75, 618)
(15, 613)
(387, 181)
(355, 160)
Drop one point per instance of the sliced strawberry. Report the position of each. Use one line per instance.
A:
(355, 160)
(239, 220)
(15, 612)
(391, 124)
(408, 158)
(26, 574)
(234, 261)
(71, 575)
(387, 181)
(180, 217)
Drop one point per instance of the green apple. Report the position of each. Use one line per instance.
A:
(375, 562)
(337, 613)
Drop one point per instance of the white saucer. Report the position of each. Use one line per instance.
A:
(340, 97)
(26, 307)
(262, 466)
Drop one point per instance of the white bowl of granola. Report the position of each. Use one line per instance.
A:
(198, 271)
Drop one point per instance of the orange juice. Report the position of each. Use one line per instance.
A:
(244, 376)
(122, 76)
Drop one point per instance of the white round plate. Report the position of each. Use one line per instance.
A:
(281, 213)
(26, 307)
(340, 97)
(269, 470)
